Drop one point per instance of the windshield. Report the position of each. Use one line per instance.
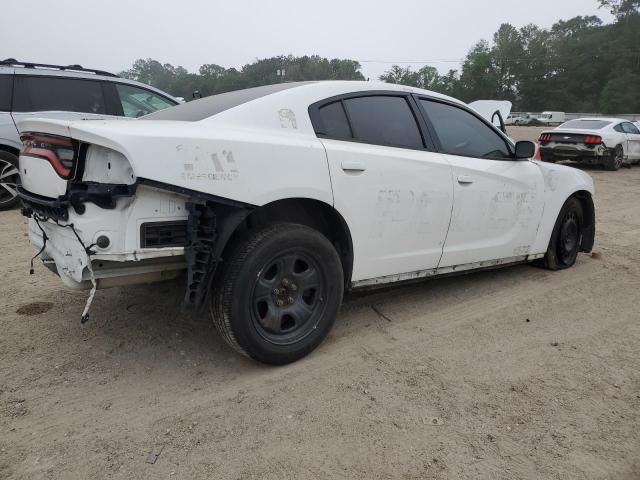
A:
(585, 124)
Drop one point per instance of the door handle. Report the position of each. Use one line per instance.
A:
(465, 179)
(351, 166)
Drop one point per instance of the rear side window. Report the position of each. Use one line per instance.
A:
(6, 85)
(383, 120)
(462, 133)
(35, 94)
(334, 121)
(137, 102)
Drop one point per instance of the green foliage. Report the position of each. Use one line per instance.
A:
(622, 8)
(212, 78)
(577, 65)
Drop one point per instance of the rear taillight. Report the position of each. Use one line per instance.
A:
(545, 137)
(592, 140)
(60, 152)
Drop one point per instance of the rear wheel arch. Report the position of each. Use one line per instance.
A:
(9, 167)
(313, 213)
(7, 148)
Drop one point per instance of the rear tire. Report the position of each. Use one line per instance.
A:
(615, 160)
(566, 237)
(278, 293)
(9, 178)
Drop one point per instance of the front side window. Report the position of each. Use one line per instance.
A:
(40, 93)
(462, 133)
(137, 102)
(383, 120)
(630, 128)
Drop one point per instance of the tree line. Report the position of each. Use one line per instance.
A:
(579, 65)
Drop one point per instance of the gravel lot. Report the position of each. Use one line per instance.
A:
(513, 373)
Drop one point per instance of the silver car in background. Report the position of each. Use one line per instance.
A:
(62, 92)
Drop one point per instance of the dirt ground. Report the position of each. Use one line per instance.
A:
(508, 374)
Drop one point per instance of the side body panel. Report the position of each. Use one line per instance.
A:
(250, 166)
(560, 182)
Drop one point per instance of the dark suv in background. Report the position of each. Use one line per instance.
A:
(65, 92)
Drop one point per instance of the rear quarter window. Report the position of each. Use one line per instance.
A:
(334, 121)
(6, 87)
(40, 93)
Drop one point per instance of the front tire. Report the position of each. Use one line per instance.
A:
(278, 293)
(566, 237)
(9, 178)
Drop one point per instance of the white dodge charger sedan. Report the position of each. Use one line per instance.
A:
(610, 142)
(276, 200)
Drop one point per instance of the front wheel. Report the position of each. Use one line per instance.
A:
(278, 293)
(566, 237)
(9, 179)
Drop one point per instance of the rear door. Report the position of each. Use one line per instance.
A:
(392, 189)
(498, 200)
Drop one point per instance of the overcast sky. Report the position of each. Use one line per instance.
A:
(112, 34)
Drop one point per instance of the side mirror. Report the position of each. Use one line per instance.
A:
(525, 150)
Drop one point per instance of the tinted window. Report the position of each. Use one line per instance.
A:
(6, 84)
(35, 94)
(462, 133)
(618, 128)
(585, 124)
(334, 121)
(137, 102)
(383, 120)
(630, 128)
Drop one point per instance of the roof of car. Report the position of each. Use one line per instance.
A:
(19, 68)
(207, 107)
(602, 119)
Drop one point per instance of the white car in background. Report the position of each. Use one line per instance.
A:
(276, 200)
(610, 142)
(69, 92)
(551, 118)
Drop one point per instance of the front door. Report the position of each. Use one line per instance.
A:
(633, 140)
(498, 201)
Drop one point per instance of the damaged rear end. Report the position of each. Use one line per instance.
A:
(96, 223)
